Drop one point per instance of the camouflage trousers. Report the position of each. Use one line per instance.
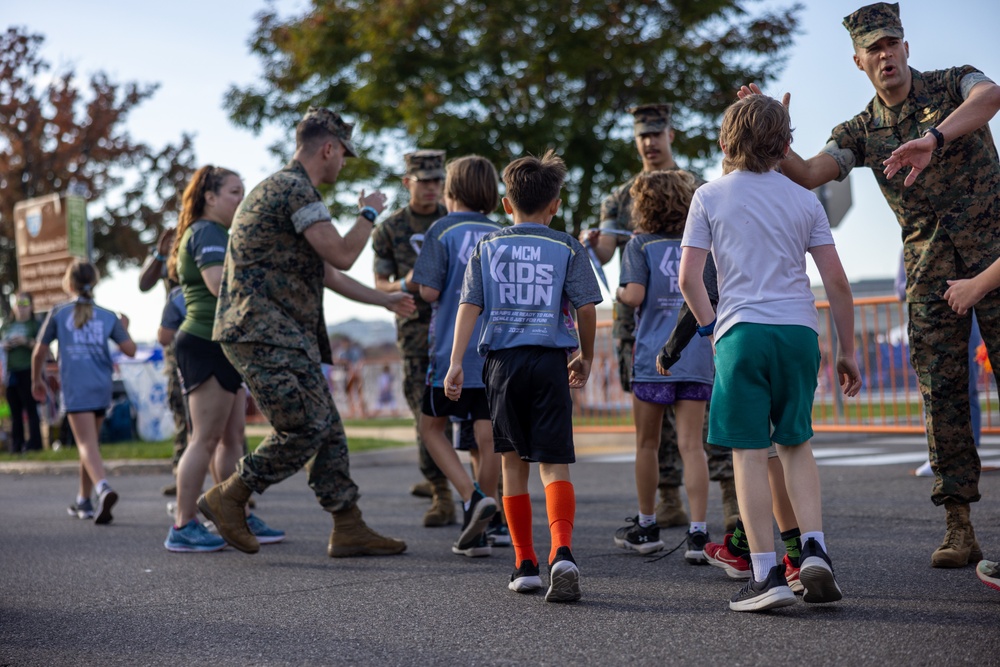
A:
(720, 459)
(175, 399)
(292, 394)
(939, 355)
(414, 382)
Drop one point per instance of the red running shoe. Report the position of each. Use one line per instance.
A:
(737, 567)
(792, 576)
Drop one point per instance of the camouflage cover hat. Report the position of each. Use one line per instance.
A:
(425, 165)
(335, 125)
(651, 118)
(873, 22)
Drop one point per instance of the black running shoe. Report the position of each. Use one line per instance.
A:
(771, 593)
(525, 578)
(637, 538)
(476, 549)
(564, 578)
(696, 542)
(816, 574)
(476, 518)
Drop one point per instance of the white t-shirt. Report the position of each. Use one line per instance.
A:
(759, 228)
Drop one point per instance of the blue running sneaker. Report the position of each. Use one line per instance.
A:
(84, 510)
(263, 532)
(193, 536)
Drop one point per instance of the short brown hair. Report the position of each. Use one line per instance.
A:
(472, 180)
(534, 183)
(660, 201)
(755, 132)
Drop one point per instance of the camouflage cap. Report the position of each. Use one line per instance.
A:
(651, 118)
(335, 125)
(425, 165)
(873, 22)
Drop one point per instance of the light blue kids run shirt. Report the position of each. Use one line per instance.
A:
(524, 278)
(653, 260)
(448, 244)
(84, 359)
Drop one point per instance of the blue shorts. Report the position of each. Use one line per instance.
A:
(764, 375)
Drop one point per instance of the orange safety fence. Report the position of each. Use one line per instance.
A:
(889, 401)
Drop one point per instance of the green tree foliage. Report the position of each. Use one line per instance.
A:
(503, 77)
(54, 135)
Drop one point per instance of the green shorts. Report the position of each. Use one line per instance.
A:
(765, 375)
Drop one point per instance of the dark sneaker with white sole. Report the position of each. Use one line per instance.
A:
(84, 510)
(475, 519)
(771, 593)
(476, 549)
(644, 539)
(564, 578)
(816, 574)
(525, 578)
(695, 553)
(105, 502)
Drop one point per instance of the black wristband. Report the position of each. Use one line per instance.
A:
(934, 132)
(368, 213)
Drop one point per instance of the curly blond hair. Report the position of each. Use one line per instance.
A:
(660, 201)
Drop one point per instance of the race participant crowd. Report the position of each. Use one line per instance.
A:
(715, 326)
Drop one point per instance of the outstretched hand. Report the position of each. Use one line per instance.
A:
(376, 200)
(754, 89)
(400, 303)
(914, 154)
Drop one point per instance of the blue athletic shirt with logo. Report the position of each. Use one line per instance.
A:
(653, 260)
(524, 278)
(448, 244)
(84, 359)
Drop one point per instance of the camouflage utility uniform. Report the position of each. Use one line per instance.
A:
(396, 242)
(949, 220)
(271, 326)
(616, 214)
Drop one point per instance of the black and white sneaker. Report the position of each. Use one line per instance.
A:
(478, 548)
(645, 540)
(771, 593)
(497, 532)
(696, 542)
(816, 574)
(564, 578)
(476, 518)
(105, 501)
(525, 578)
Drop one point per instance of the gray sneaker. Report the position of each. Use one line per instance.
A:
(84, 510)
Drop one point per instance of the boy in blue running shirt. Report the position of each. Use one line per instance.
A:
(470, 192)
(759, 226)
(522, 279)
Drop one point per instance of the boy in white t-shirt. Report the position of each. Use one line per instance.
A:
(759, 226)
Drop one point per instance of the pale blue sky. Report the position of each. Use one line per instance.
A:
(196, 50)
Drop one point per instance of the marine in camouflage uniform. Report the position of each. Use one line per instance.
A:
(949, 217)
(396, 242)
(271, 326)
(616, 215)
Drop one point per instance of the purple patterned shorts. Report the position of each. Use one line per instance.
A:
(668, 393)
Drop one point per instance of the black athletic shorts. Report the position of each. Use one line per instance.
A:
(199, 359)
(528, 391)
(472, 404)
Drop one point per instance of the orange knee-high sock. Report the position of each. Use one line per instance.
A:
(518, 511)
(560, 501)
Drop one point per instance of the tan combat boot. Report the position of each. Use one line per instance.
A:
(730, 506)
(670, 510)
(351, 536)
(224, 505)
(959, 547)
(422, 489)
(442, 511)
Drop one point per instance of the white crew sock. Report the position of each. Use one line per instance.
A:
(762, 564)
(646, 520)
(816, 535)
(698, 526)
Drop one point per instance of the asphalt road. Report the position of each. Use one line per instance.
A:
(72, 593)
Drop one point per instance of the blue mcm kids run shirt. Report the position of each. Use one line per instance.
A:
(524, 278)
(448, 245)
